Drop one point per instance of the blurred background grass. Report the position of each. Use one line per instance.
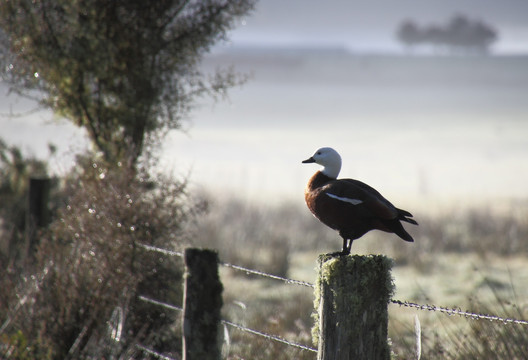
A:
(456, 261)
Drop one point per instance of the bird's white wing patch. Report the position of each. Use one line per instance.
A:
(348, 200)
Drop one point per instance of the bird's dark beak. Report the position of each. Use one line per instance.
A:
(310, 160)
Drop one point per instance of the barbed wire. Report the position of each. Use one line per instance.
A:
(232, 324)
(270, 276)
(232, 266)
(268, 336)
(160, 250)
(426, 307)
(153, 353)
(160, 303)
(459, 312)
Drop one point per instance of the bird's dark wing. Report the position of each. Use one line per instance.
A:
(366, 200)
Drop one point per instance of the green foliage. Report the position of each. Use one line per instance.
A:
(126, 71)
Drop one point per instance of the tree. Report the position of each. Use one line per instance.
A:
(458, 31)
(435, 35)
(484, 36)
(464, 34)
(459, 35)
(409, 33)
(125, 70)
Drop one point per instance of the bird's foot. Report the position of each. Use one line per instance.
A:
(338, 253)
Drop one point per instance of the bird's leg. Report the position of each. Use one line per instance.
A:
(346, 247)
(349, 247)
(345, 242)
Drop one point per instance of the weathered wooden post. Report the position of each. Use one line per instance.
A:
(37, 215)
(201, 306)
(351, 298)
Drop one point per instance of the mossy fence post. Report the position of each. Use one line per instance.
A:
(202, 302)
(351, 299)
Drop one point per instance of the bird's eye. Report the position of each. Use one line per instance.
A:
(318, 153)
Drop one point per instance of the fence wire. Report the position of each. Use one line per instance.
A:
(268, 336)
(449, 311)
(160, 250)
(160, 303)
(234, 325)
(153, 353)
(232, 266)
(459, 312)
(270, 276)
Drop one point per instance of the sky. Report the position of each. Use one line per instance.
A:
(465, 137)
(421, 130)
(370, 25)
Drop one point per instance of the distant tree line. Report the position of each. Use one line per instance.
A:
(459, 35)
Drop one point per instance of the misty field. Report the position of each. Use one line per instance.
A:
(90, 267)
(471, 259)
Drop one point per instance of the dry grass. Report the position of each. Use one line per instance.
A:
(455, 261)
(81, 278)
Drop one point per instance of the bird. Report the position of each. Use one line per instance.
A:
(350, 206)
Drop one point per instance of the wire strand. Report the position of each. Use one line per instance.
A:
(270, 276)
(459, 312)
(153, 353)
(232, 266)
(232, 324)
(160, 303)
(268, 336)
(426, 307)
(160, 250)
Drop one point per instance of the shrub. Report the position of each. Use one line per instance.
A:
(83, 301)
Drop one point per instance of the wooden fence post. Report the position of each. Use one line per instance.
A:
(201, 306)
(37, 215)
(352, 296)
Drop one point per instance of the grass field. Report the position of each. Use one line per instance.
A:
(456, 262)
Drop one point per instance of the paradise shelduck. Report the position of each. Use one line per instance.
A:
(349, 206)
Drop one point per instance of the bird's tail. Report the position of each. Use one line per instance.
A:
(406, 216)
(397, 227)
(401, 232)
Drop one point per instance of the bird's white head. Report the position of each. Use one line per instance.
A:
(329, 159)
